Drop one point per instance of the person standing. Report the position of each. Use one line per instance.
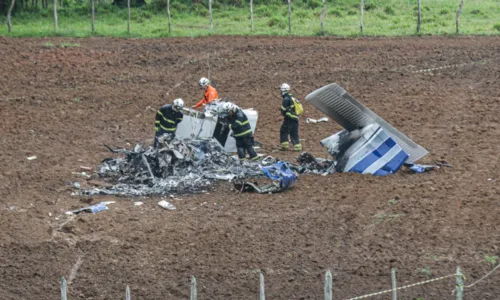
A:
(290, 125)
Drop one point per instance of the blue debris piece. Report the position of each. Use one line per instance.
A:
(281, 175)
(380, 155)
(280, 171)
(421, 168)
(93, 208)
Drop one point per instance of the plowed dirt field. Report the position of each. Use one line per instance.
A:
(62, 104)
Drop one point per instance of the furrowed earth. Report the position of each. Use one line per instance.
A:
(61, 104)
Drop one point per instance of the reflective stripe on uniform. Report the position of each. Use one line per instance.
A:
(242, 123)
(243, 133)
(166, 120)
(167, 129)
(290, 115)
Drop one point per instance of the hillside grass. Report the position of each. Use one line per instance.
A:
(381, 18)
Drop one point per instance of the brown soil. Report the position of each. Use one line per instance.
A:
(63, 104)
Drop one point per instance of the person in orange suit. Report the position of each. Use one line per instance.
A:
(211, 93)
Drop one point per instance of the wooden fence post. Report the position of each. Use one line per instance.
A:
(127, 293)
(460, 284)
(128, 18)
(9, 13)
(93, 13)
(458, 14)
(210, 13)
(64, 286)
(262, 289)
(394, 285)
(419, 18)
(322, 17)
(328, 285)
(168, 13)
(55, 15)
(251, 13)
(194, 292)
(361, 8)
(289, 16)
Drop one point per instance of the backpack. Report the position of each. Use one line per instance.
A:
(297, 106)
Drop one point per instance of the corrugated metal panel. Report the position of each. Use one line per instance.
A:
(336, 103)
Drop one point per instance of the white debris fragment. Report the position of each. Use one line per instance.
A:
(314, 121)
(31, 157)
(166, 205)
(138, 203)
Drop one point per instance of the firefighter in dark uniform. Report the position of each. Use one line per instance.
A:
(242, 132)
(167, 118)
(290, 125)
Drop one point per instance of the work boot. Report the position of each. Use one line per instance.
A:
(256, 158)
(284, 146)
(297, 147)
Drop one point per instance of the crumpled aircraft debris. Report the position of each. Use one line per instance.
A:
(177, 166)
(281, 174)
(93, 208)
(368, 144)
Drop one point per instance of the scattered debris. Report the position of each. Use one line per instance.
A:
(138, 203)
(31, 157)
(82, 174)
(313, 121)
(93, 208)
(310, 164)
(85, 168)
(421, 168)
(281, 174)
(166, 205)
(177, 166)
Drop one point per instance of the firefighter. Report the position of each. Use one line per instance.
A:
(210, 95)
(167, 118)
(290, 125)
(242, 132)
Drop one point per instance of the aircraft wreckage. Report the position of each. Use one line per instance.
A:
(201, 153)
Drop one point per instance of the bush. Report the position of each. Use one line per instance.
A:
(444, 12)
(382, 16)
(178, 6)
(476, 12)
(313, 4)
(497, 26)
(277, 21)
(352, 13)
(264, 11)
(389, 10)
(301, 14)
(370, 6)
(200, 9)
(335, 12)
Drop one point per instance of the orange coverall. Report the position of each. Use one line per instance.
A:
(210, 95)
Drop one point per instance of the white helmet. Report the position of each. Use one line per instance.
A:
(284, 88)
(204, 82)
(228, 106)
(178, 104)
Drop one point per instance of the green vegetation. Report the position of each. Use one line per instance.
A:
(232, 17)
(493, 260)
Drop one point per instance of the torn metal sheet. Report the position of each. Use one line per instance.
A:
(208, 124)
(336, 103)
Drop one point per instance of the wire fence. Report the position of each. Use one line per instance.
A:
(458, 291)
(210, 16)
